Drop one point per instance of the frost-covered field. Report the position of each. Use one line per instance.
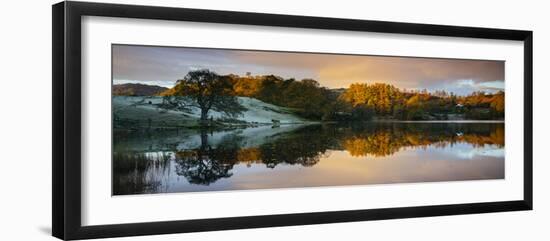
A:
(172, 140)
(143, 111)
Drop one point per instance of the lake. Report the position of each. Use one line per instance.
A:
(300, 155)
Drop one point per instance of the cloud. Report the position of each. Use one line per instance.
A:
(405, 72)
(142, 63)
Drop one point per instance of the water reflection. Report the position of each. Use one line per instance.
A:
(298, 156)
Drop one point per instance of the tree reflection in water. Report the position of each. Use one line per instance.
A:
(306, 146)
(205, 165)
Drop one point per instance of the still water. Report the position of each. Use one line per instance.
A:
(291, 156)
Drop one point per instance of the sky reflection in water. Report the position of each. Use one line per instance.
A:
(306, 156)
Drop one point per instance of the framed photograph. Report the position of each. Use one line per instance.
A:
(169, 120)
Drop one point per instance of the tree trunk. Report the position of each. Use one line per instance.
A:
(204, 140)
(204, 117)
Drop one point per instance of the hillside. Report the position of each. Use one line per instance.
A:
(137, 89)
(135, 111)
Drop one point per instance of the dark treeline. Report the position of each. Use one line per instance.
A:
(130, 89)
(359, 101)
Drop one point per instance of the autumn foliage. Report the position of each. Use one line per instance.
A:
(360, 101)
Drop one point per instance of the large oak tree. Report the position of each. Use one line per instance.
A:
(207, 91)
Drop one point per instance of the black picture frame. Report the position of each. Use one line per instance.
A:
(66, 128)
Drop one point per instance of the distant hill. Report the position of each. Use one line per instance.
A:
(137, 89)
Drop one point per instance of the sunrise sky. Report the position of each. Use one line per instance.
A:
(164, 65)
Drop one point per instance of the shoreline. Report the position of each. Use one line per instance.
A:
(438, 121)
